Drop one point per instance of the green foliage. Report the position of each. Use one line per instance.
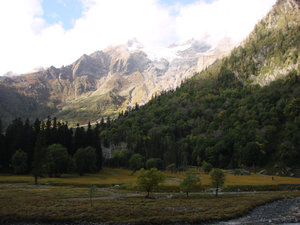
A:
(154, 163)
(34, 139)
(121, 157)
(58, 160)
(39, 158)
(136, 162)
(207, 167)
(19, 162)
(217, 179)
(147, 180)
(85, 160)
(189, 182)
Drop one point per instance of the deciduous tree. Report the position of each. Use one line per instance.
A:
(189, 182)
(149, 179)
(217, 179)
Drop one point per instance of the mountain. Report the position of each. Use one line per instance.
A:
(105, 82)
(272, 50)
(242, 111)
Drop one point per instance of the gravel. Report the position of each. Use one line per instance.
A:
(279, 212)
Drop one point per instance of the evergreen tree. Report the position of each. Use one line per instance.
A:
(39, 158)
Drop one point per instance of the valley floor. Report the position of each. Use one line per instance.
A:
(66, 205)
(118, 200)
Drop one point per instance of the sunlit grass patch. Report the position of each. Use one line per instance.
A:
(112, 177)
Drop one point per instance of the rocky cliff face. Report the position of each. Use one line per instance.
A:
(109, 81)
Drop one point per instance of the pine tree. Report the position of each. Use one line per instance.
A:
(39, 158)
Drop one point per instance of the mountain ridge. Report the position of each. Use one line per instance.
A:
(123, 75)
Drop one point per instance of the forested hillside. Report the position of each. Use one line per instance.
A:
(217, 120)
(242, 111)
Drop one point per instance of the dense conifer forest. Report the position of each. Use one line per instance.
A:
(49, 147)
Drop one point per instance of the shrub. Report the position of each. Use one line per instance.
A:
(58, 160)
(85, 160)
(154, 163)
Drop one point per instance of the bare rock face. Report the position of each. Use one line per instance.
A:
(109, 81)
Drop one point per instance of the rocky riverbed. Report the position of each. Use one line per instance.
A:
(279, 212)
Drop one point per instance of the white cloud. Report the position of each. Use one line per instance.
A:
(27, 42)
(231, 18)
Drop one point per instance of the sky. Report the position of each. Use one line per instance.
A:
(41, 33)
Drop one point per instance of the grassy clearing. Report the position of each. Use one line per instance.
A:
(111, 177)
(45, 204)
(106, 177)
(17, 191)
(20, 200)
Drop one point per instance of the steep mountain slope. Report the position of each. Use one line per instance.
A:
(273, 49)
(221, 115)
(109, 81)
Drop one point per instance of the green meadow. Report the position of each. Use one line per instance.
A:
(117, 198)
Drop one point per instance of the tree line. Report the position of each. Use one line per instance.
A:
(50, 147)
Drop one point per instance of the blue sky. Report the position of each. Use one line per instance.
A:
(41, 33)
(67, 12)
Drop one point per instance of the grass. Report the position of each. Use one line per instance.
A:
(107, 177)
(51, 204)
(111, 177)
(60, 199)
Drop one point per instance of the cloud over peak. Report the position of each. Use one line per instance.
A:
(28, 41)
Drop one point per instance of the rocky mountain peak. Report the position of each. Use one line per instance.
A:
(82, 91)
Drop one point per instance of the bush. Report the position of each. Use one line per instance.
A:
(136, 162)
(154, 163)
(58, 160)
(121, 157)
(85, 160)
